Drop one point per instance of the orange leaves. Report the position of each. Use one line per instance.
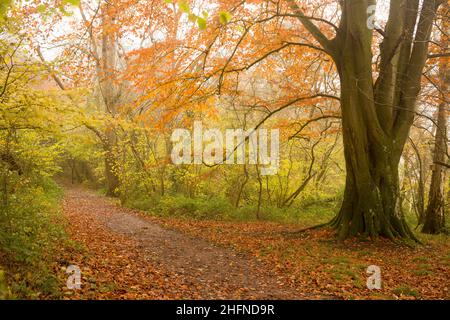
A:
(131, 257)
(112, 267)
(319, 265)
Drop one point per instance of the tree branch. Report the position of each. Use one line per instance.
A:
(326, 43)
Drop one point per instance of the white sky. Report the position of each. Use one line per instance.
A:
(65, 26)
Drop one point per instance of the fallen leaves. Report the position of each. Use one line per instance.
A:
(130, 257)
(111, 264)
(323, 267)
(119, 261)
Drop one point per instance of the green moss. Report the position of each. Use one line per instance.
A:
(406, 291)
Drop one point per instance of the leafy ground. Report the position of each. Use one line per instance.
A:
(127, 254)
(314, 260)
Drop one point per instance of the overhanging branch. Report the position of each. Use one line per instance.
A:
(326, 43)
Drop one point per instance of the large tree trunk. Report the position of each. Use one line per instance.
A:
(371, 204)
(377, 115)
(434, 221)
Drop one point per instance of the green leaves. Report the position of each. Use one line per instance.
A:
(184, 6)
(62, 7)
(201, 23)
(73, 2)
(4, 7)
(224, 17)
(45, 9)
(41, 8)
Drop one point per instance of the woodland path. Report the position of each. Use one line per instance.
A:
(129, 255)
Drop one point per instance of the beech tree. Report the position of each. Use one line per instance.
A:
(378, 107)
(380, 81)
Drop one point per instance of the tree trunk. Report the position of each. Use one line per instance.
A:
(434, 221)
(377, 114)
(112, 178)
(378, 105)
(371, 204)
(420, 203)
(110, 95)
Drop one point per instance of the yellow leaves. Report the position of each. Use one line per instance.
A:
(224, 17)
(201, 23)
(184, 6)
(41, 8)
(72, 2)
(5, 5)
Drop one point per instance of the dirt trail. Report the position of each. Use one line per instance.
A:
(191, 267)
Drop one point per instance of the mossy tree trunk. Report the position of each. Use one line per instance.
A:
(378, 108)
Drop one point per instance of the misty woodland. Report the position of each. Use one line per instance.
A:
(212, 149)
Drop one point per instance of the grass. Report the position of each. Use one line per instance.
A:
(405, 290)
(220, 209)
(423, 269)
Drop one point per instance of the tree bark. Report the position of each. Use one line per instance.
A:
(434, 221)
(111, 167)
(371, 205)
(420, 203)
(110, 94)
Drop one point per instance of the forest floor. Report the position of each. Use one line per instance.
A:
(126, 254)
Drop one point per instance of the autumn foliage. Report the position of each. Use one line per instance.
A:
(91, 92)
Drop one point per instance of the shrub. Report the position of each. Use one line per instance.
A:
(29, 235)
(198, 208)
